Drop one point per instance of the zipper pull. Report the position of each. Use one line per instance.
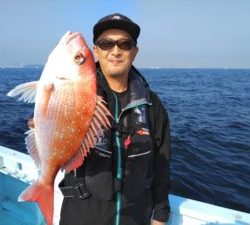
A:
(127, 142)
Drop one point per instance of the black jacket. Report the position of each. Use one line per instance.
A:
(127, 173)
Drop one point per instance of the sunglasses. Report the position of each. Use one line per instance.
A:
(107, 44)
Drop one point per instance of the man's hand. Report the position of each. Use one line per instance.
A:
(155, 222)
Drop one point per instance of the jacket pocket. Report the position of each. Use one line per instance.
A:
(98, 175)
(138, 211)
(136, 175)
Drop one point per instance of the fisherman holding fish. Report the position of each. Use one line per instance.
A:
(125, 178)
(102, 124)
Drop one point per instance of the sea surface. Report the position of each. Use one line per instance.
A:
(209, 111)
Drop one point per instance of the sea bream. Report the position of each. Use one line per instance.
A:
(68, 116)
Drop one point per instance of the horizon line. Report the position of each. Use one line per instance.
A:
(138, 67)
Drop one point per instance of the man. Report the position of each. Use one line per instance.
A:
(125, 179)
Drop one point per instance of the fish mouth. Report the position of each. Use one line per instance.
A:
(70, 36)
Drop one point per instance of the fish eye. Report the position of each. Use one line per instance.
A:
(79, 59)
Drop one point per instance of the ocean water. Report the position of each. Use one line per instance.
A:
(209, 111)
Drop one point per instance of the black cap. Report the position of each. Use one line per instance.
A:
(116, 21)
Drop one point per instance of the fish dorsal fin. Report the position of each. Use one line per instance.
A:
(26, 91)
(30, 142)
(99, 120)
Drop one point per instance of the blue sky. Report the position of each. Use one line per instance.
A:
(174, 33)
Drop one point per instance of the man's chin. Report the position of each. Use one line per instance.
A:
(117, 72)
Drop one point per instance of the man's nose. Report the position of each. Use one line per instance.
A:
(116, 50)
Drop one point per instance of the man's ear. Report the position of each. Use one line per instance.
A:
(135, 51)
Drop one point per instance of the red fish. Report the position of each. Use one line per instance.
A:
(68, 116)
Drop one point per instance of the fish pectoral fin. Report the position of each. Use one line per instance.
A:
(31, 146)
(26, 91)
(99, 120)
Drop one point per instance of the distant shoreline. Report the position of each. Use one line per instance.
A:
(39, 66)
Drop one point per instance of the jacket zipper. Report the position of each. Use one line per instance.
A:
(119, 172)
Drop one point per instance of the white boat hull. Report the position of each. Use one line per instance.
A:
(17, 171)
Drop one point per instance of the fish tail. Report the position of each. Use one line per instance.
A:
(44, 196)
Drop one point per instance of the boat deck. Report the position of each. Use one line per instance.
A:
(8, 218)
(13, 212)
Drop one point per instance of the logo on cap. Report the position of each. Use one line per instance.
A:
(116, 17)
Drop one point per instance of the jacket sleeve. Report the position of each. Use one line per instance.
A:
(161, 166)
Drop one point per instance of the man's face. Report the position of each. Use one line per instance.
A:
(115, 62)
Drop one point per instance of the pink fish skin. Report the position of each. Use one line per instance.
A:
(68, 116)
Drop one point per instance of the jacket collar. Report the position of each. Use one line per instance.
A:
(139, 88)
